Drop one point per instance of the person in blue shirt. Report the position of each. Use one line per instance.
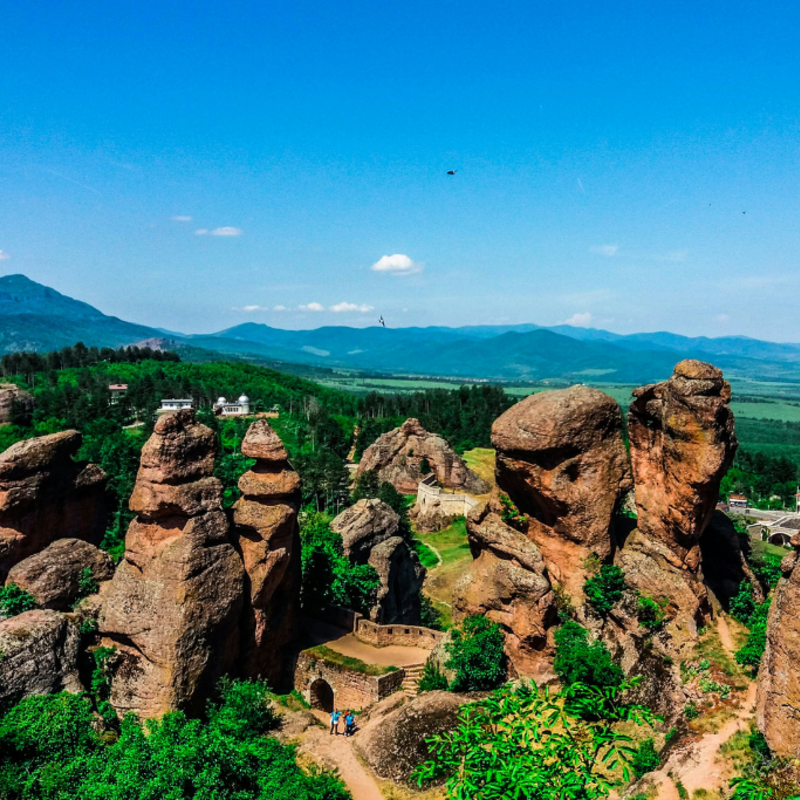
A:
(349, 723)
(335, 715)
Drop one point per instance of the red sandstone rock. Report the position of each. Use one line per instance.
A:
(268, 540)
(16, 405)
(397, 456)
(364, 525)
(53, 576)
(173, 606)
(45, 495)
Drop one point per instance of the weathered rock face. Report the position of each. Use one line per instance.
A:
(16, 405)
(369, 535)
(397, 455)
(40, 653)
(682, 443)
(173, 606)
(268, 539)
(53, 576)
(395, 744)
(45, 495)
(778, 703)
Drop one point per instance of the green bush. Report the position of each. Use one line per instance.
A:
(476, 655)
(690, 711)
(14, 600)
(758, 744)
(742, 604)
(651, 613)
(579, 661)
(750, 654)
(645, 759)
(510, 514)
(605, 589)
(432, 678)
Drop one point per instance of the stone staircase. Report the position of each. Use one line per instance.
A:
(412, 679)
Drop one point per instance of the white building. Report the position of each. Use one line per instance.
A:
(174, 405)
(737, 502)
(241, 408)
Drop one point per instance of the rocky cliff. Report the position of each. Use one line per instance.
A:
(397, 456)
(267, 537)
(45, 495)
(16, 405)
(172, 609)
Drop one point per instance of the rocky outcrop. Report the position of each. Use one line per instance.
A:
(778, 703)
(268, 540)
(40, 655)
(57, 575)
(369, 536)
(16, 405)
(45, 495)
(682, 443)
(396, 457)
(173, 606)
(396, 743)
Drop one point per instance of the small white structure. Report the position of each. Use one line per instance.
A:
(737, 502)
(174, 405)
(430, 494)
(117, 390)
(241, 408)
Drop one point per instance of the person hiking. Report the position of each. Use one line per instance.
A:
(349, 723)
(335, 715)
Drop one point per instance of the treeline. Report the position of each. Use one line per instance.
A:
(28, 364)
(767, 481)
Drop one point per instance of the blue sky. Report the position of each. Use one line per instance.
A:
(605, 154)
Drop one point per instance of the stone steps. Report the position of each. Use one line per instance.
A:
(412, 678)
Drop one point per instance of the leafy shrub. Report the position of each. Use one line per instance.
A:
(742, 603)
(425, 466)
(645, 759)
(651, 613)
(579, 661)
(428, 615)
(750, 654)
(510, 514)
(476, 655)
(708, 686)
(432, 678)
(758, 744)
(14, 600)
(690, 711)
(767, 568)
(605, 589)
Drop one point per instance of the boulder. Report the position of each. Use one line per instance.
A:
(398, 454)
(173, 606)
(267, 537)
(53, 576)
(395, 744)
(16, 405)
(45, 495)
(369, 536)
(778, 698)
(40, 655)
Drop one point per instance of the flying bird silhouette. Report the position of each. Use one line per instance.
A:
(452, 171)
(382, 322)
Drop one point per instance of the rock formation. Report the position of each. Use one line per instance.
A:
(369, 532)
(45, 495)
(173, 606)
(53, 576)
(778, 703)
(268, 539)
(16, 405)
(397, 456)
(682, 443)
(40, 655)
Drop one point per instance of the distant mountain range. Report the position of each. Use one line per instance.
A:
(35, 317)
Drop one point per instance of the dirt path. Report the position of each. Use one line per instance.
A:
(434, 551)
(725, 634)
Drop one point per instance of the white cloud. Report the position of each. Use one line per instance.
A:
(253, 308)
(181, 218)
(398, 264)
(722, 318)
(4, 256)
(279, 308)
(227, 230)
(201, 232)
(580, 320)
(312, 307)
(340, 308)
(607, 250)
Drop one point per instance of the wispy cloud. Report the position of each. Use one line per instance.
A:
(224, 231)
(607, 250)
(279, 308)
(181, 218)
(343, 308)
(722, 318)
(580, 320)
(250, 309)
(397, 264)
(4, 256)
(580, 186)
(312, 307)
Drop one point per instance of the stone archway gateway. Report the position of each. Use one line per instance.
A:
(321, 695)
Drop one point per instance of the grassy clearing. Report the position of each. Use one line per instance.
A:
(427, 557)
(481, 462)
(325, 654)
(767, 549)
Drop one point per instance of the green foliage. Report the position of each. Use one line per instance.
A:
(651, 613)
(429, 617)
(427, 557)
(432, 678)
(325, 654)
(645, 759)
(605, 589)
(87, 584)
(510, 514)
(14, 600)
(88, 626)
(690, 711)
(369, 486)
(100, 690)
(766, 566)
(761, 476)
(366, 486)
(742, 604)
(758, 744)
(579, 661)
(522, 743)
(51, 752)
(750, 654)
(476, 655)
(424, 466)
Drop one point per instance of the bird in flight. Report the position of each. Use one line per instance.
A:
(382, 322)
(452, 171)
